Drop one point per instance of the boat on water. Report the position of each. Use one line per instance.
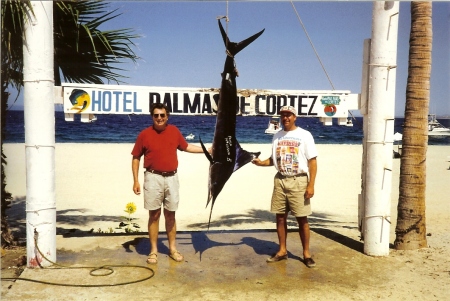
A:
(349, 122)
(435, 128)
(273, 126)
(398, 139)
(190, 136)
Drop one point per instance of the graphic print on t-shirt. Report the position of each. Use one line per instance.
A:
(287, 155)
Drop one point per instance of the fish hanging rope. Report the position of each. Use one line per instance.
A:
(226, 27)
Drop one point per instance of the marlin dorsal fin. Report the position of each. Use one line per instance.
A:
(207, 154)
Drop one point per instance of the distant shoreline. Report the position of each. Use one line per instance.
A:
(21, 109)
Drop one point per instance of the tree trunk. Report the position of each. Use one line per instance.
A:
(411, 227)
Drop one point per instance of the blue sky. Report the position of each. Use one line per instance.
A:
(181, 45)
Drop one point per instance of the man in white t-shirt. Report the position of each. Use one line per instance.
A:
(294, 155)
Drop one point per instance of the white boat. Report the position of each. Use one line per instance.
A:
(273, 126)
(190, 136)
(435, 128)
(398, 139)
(349, 122)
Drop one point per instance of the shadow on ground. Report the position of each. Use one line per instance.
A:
(320, 224)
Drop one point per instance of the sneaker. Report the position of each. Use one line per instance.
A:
(309, 262)
(276, 258)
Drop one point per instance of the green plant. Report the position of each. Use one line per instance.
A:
(130, 208)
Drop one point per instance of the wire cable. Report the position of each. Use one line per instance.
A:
(312, 45)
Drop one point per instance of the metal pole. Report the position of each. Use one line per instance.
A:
(380, 128)
(39, 114)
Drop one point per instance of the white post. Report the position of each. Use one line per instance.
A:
(39, 134)
(380, 128)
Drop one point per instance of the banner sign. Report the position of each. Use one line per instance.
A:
(116, 99)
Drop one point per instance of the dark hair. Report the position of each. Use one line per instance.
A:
(159, 106)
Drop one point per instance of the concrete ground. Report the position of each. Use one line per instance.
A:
(219, 265)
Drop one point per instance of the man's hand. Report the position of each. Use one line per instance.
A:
(309, 193)
(137, 188)
(257, 161)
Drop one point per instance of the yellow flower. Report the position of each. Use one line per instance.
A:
(130, 208)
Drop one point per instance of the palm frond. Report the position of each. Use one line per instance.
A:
(14, 15)
(95, 51)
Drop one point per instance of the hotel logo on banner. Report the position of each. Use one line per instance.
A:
(114, 99)
(330, 103)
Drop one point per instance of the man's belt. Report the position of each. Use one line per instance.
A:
(303, 174)
(162, 173)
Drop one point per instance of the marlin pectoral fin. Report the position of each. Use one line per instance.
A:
(208, 155)
(243, 157)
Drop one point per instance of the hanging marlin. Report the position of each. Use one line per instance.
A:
(227, 155)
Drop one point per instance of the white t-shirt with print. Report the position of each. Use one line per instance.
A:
(291, 151)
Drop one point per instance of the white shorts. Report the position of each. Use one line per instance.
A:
(159, 190)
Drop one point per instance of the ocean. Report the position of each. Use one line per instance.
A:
(249, 129)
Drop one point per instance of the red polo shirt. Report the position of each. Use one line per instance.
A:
(160, 148)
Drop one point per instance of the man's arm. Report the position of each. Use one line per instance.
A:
(195, 149)
(135, 169)
(312, 166)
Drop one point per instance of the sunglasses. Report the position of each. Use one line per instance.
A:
(159, 115)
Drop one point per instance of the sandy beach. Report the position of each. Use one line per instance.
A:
(94, 183)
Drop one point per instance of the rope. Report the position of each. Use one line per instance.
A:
(226, 28)
(104, 269)
(312, 45)
(383, 218)
(228, 53)
(38, 146)
(227, 20)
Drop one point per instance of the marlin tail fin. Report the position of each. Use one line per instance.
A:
(233, 47)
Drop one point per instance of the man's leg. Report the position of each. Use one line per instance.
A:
(153, 229)
(281, 221)
(303, 230)
(171, 230)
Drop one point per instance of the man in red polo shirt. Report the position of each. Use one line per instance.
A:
(159, 144)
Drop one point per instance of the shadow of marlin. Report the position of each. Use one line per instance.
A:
(227, 154)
